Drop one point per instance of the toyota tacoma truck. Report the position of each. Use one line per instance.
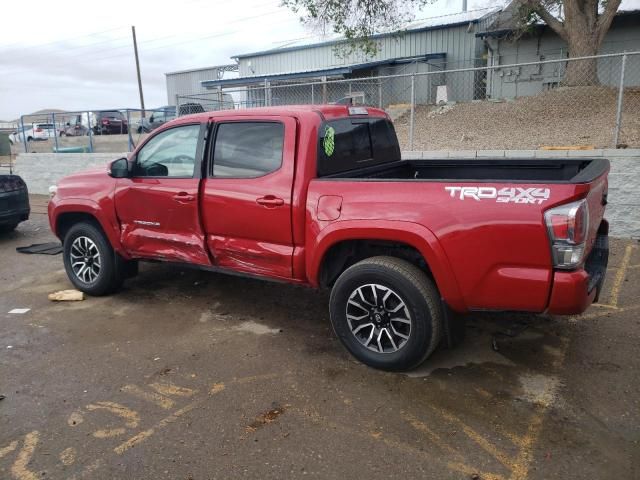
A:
(319, 196)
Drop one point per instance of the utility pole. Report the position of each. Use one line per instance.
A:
(135, 50)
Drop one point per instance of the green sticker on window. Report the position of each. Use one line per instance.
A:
(329, 142)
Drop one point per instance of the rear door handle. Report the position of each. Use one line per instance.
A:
(270, 201)
(184, 197)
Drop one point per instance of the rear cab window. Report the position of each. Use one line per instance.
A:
(353, 143)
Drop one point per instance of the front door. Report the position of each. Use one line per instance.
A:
(247, 195)
(158, 206)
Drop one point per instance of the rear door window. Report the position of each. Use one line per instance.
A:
(248, 149)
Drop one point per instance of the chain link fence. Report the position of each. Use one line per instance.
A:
(101, 131)
(587, 102)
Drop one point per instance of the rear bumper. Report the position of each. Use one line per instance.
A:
(573, 292)
(14, 207)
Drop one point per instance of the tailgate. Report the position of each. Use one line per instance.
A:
(596, 202)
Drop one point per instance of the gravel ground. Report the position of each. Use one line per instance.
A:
(565, 116)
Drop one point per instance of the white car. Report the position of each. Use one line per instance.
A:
(36, 132)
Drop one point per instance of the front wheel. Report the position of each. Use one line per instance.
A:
(91, 263)
(387, 313)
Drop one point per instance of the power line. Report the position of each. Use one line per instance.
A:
(21, 47)
(93, 59)
(127, 45)
(40, 45)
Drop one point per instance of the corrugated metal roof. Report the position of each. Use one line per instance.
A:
(442, 21)
(316, 73)
(509, 20)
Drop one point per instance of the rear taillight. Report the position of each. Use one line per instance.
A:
(105, 121)
(39, 130)
(568, 226)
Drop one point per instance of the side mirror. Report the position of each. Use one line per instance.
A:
(68, 124)
(119, 168)
(151, 119)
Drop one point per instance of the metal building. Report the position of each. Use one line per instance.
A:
(428, 45)
(189, 82)
(311, 71)
(541, 44)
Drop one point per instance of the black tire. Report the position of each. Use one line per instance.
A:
(110, 275)
(8, 227)
(410, 286)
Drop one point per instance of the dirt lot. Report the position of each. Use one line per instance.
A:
(565, 116)
(192, 375)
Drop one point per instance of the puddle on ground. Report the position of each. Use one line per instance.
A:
(475, 349)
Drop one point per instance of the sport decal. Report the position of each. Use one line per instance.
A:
(504, 195)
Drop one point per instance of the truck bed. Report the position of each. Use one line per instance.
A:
(576, 170)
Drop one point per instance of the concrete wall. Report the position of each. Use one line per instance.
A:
(623, 210)
(41, 170)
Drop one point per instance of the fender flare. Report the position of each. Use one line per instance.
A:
(409, 233)
(107, 222)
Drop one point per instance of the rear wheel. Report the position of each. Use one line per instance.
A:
(387, 313)
(91, 263)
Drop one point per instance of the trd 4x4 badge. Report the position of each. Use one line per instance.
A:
(504, 195)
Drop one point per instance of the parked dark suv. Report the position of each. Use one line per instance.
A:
(14, 202)
(110, 123)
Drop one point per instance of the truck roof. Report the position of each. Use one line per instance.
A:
(327, 111)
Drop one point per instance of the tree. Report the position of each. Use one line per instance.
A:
(583, 24)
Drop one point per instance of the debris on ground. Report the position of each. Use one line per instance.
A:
(265, 418)
(66, 296)
(19, 311)
(50, 248)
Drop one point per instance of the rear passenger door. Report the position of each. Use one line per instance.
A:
(246, 200)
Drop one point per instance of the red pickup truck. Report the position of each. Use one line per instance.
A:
(319, 196)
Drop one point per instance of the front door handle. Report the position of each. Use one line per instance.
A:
(184, 197)
(270, 201)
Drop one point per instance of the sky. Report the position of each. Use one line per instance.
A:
(81, 58)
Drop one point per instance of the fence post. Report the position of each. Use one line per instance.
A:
(130, 141)
(413, 111)
(177, 105)
(313, 100)
(379, 93)
(55, 129)
(324, 89)
(24, 135)
(90, 132)
(616, 134)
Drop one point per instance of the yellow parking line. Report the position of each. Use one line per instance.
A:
(156, 398)
(19, 469)
(605, 305)
(589, 316)
(477, 438)
(620, 274)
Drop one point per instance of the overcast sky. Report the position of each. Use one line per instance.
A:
(75, 56)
